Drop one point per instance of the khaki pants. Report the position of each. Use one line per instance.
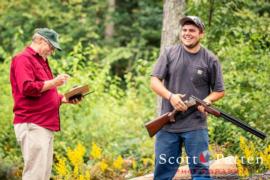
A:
(37, 149)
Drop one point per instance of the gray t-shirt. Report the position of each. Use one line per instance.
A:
(192, 74)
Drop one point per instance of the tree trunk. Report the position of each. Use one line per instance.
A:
(211, 12)
(173, 10)
(109, 27)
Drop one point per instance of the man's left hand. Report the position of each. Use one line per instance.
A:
(202, 109)
(73, 101)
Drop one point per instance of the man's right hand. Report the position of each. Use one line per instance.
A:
(177, 102)
(60, 79)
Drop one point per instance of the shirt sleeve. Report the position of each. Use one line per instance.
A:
(217, 83)
(25, 78)
(161, 67)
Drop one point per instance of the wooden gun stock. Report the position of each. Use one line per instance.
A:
(155, 125)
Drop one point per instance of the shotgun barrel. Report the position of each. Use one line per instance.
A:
(229, 118)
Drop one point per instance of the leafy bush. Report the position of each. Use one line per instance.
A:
(112, 117)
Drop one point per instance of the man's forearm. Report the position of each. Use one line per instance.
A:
(158, 87)
(48, 85)
(214, 96)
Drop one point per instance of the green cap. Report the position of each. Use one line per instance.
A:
(50, 35)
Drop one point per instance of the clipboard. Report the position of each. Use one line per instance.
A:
(77, 92)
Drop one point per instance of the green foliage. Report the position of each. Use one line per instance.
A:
(112, 115)
(133, 16)
(232, 22)
(118, 71)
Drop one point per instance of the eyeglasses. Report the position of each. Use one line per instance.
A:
(49, 44)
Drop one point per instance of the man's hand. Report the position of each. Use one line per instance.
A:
(177, 103)
(60, 79)
(202, 109)
(75, 100)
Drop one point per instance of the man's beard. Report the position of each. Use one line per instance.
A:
(191, 46)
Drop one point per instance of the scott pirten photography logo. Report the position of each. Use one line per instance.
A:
(202, 158)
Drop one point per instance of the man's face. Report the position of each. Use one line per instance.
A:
(46, 49)
(191, 35)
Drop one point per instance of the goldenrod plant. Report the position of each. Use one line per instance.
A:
(252, 160)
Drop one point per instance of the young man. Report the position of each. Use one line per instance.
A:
(181, 71)
(36, 103)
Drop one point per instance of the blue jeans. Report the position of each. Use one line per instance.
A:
(168, 151)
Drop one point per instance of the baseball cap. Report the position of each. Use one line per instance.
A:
(194, 19)
(50, 35)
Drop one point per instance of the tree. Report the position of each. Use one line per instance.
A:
(109, 26)
(173, 10)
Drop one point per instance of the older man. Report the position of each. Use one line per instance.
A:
(36, 103)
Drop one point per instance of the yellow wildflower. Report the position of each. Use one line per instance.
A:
(147, 161)
(96, 151)
(134, 164)
(248, 148)
(265, 155)
(81, 177)
(242, 142)
(87, 175)
(76, 155)
(242, 171)
(103, 165)
(210, 147)
(118, 163)
(76, 170)
(60, 166)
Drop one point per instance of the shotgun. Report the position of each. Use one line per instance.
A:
(155, 125)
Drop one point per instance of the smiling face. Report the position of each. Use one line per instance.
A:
(190, 36)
